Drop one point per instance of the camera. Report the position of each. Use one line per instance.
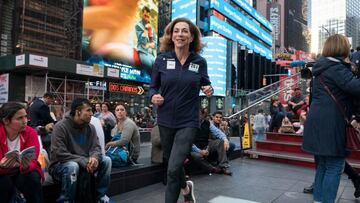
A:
(306, 72)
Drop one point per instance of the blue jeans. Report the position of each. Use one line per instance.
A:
(68, 172)
(327, 178)
(259, 131)
(232, 147)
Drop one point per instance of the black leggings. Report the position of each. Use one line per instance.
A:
(28, 184)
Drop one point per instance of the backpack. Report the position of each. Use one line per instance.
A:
(118, 155)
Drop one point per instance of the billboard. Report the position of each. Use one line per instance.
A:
(232, 33)
(121, 36)
(215, 53)
(240, 19)
(250, 10)
(274, 15)
(185, 9)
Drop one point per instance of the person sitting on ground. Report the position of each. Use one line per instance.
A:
(25, 175)
(278, 113)
(130, 136)
(203, 147)
(305, 107)
(296, 101)
(75, 150)
(220, 124)
(286, 126)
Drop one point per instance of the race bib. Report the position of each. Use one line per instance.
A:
(170, 64)
(194, 67)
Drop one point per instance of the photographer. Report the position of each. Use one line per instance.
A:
(306, 73)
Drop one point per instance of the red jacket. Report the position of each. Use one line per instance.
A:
(28, 138)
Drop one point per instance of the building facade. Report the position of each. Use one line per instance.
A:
(334, 17)
(290, 24)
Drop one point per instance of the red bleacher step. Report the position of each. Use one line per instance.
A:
(304, 160)
(295, 138)
(273, 136)
(279, 146)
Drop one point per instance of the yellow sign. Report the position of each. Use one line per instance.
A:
(246, 139)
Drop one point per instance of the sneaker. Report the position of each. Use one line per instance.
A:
(190, 198)
(309, 190)
(105, 199)
(216, 170)
(226, 171)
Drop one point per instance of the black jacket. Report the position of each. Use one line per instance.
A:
(202, 138)
(324, 130)
(39, 114)
(180, 86)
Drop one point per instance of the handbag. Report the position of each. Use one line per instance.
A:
(352, 135)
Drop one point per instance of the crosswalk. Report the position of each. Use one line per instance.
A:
(224, 199)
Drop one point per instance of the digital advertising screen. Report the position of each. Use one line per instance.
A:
(215, 53)
(121, 36)
(184, 9)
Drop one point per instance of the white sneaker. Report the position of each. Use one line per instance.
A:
(104, 199)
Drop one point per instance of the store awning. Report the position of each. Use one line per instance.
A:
(297, 63)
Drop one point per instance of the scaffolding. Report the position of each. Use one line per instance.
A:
(48, 27)
(164, 15)
(6, 26)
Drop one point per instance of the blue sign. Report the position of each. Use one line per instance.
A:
(233, 14)
(215, 54)
(230, 32)
(184, 9)
(247, 7)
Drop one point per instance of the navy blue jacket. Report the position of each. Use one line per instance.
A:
(180, 86)
(355, 58)
(324, 130)
(39, 113)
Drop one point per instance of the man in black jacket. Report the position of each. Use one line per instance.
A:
(39, 111)
(40, 118)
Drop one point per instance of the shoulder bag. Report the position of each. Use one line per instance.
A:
(352, 135)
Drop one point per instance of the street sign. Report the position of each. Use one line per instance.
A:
(124, 88)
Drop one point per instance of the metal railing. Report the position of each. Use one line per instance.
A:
(262, 93)
(268, 92)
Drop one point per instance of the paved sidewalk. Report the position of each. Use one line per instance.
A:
(252, 181)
